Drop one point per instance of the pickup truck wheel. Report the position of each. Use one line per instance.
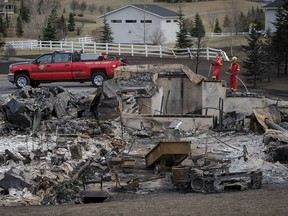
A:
(22, 80)
(35, 84)
(98, 78)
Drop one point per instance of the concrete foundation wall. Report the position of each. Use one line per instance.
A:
(180, 95)
(151, 105)
(243, 104)
(161, 123)
(211, 92)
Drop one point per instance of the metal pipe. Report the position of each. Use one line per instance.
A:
(275, 126)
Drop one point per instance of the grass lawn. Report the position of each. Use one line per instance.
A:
(208, 10)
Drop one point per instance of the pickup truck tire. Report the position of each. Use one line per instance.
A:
(98, 78)
(22, 80)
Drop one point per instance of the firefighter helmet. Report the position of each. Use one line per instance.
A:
(234, 58)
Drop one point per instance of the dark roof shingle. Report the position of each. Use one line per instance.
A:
(275, 4)
(156, 9)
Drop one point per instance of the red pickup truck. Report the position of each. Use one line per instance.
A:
(62, 67)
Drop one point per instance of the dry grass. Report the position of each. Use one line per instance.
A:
(208, 10)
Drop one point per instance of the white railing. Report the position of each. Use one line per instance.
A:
(226, 34)
(117, 49)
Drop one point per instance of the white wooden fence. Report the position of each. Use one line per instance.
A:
(116, 49)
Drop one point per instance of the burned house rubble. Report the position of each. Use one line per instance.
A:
(150, 129)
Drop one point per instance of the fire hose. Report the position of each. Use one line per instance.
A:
(238, 79)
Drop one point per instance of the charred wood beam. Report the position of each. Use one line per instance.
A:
(11, 156)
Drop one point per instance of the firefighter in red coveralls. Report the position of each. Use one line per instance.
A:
(234, 70)
(217, 64)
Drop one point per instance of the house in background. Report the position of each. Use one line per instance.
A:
(7, 6)
(270, 12)
(142, 23)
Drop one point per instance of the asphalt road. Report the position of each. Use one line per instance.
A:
(276, 89)
(7, 88)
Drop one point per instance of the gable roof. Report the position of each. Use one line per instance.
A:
(274, 4)
(156, 9)
(149, 8)
(2, 2)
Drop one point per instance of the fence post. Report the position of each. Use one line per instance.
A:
(94, 46)
(72, 46)
(107, 51)
(189, 51)
(119, 49)
(160, 50)
(31, 45)
(132, 50)
(61, 45)
(173, 53)
(207, 53)
(146, 50)
(40, 44)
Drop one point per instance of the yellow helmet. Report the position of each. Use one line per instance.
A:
(234, 58)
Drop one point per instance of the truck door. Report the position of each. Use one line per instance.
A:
(41, 67)
(61, 69)
(52, 66)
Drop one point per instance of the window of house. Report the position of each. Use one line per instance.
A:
(131, 21)
(175, 20)
(168, 21)
(146, 21)
(116, 21)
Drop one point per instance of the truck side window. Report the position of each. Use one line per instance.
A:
(45, 59)
(76, 56)
(61, 57)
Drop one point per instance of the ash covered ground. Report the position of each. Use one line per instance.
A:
(48, 171)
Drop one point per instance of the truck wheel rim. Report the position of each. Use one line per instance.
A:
(98, 80)
(22, 81)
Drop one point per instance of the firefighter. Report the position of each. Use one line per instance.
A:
(217, 64)
(234, 70)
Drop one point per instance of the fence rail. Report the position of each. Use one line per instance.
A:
(116, 49)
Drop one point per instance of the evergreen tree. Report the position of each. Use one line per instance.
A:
(24, 12)
(106, 32)
(254, 64)
(280, 37)
(3, 29)
(198, 29)
(217, 28)
(50, 30)
(7, 21)
(268, 55)
(226, 22)
(71, 22)
(181, 36)
(242, 23)
(62, 27)
(19, 27)
(259, 20)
